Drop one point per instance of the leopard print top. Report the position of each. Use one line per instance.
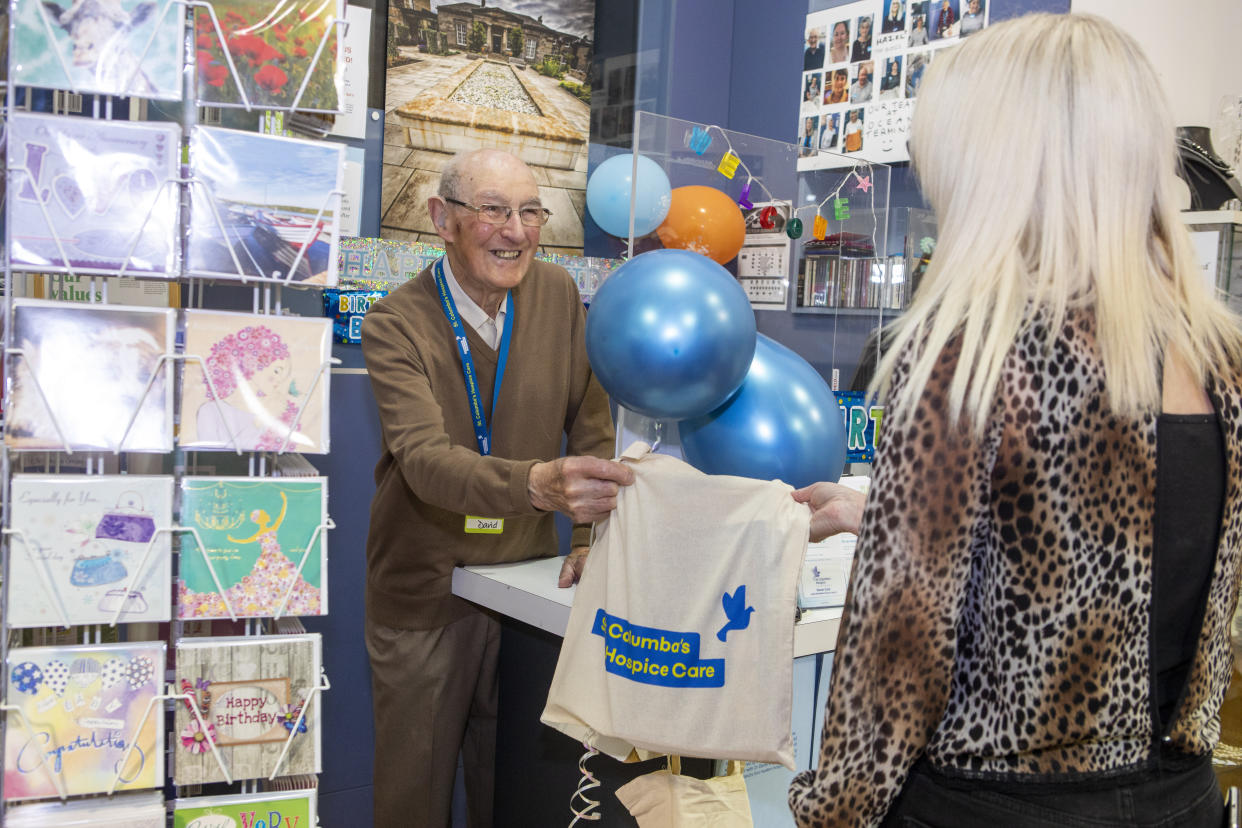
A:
(998, 615)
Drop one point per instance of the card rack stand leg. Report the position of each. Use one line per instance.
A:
(293, 578)
(34, 379)
(314, 231)
(307, 701)
(328, 363)
(343, 25)
(215, 397)
(134, 579)
(52, 593)
(133, 245)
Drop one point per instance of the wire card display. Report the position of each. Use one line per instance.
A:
(264, 207)
(266, 540)
(90, 377)
(256, 695)
(122, 47)
(73, 713)
(85, 547)
(90, 196)
(268, 388)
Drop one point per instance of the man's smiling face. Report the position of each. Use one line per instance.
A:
(490, 259)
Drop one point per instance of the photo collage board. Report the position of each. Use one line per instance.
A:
(861, 69)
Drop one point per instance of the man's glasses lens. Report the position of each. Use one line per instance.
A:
(499, 214)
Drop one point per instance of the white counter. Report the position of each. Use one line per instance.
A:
(527, 591)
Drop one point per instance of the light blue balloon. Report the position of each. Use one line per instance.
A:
(670, 334)
(783, 424)
(608, 195)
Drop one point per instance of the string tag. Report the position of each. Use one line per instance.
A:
(699, 140)
(820, 229)
(728, 165)
(743, 200)
(841, 209)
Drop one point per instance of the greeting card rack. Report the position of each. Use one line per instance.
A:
(98, 399)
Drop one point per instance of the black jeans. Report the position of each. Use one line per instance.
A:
(1183, 799)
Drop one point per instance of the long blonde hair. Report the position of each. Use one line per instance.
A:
(1047, 151)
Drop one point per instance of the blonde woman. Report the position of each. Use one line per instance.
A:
(1037, 630)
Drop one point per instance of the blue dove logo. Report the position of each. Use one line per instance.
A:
(736, 611)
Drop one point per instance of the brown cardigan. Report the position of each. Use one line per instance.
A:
(431, 474)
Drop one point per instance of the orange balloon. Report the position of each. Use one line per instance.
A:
(704, 220)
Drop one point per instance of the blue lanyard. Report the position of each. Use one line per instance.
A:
(482, 431)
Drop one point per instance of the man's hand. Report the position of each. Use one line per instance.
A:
(584, 488)
(834, 508)
(571, 569)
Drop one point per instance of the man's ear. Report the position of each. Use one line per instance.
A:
(439, 211)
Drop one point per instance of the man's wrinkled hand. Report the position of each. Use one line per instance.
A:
(583, 488)
(571, 569)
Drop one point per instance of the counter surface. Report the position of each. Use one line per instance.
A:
(528, 592)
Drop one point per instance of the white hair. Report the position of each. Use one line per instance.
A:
(1047, 151)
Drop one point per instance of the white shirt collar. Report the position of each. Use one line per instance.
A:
(490, 330)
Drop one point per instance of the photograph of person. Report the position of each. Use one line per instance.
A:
(839, 49)
(828, 131)
(972, 20)
(862, 43)
(811, 88)
(944, 19)
(854, 130)
(838, 91)
(813, 57)
(890, 84)
(863, 87)
(918, 24)
(1040, 626)
(806, 139)
(894, 16)
(914, 72)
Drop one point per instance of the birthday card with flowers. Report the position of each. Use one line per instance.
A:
(260, 711)
(276, 54)
(81, 720)
(266, 547)
(255, 383)
(89, 549)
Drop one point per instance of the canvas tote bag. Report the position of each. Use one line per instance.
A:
(680, 639)
(666, 799)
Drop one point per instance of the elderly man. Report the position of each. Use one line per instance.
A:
(479, 368)
(860, 90)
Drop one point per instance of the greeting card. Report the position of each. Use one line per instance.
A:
(255, 695)
(124, 47)
(93, 196)
(85, 547)
(90, 377)
(282, 54)
(265, 541)
(295, 809)
(128, 810)
(268, 388)
(85, 706)
(264, 207)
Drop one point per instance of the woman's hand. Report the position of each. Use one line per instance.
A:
(834, 508)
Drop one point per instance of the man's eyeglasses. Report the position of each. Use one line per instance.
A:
(499, 214)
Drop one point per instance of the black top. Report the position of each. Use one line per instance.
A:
(1190, 494)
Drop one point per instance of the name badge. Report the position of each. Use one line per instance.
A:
(484, 526)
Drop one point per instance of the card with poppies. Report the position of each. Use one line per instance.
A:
(276, 54)
(84, 708)
(254, 694)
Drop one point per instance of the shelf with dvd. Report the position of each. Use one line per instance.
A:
(150, 442)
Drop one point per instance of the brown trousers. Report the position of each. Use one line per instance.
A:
(435, 695)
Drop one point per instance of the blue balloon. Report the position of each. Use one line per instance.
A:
(783, 424)
(670, 334)
(608, 195)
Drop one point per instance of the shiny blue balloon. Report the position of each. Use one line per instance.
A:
(670, 334)
(608, 195)
(783, 424)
